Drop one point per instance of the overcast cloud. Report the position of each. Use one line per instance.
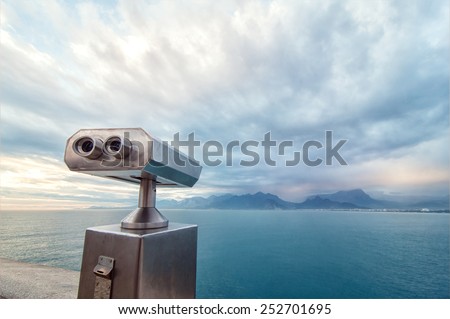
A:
(376, 73)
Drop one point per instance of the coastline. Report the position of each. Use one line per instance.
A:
(19, 280)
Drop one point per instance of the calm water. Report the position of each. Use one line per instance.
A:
(271, 254)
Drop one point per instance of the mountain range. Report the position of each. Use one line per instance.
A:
(350, 199)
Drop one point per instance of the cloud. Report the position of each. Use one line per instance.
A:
(375, 73)
(35, 181)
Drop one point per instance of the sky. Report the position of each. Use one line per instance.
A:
(374, 73)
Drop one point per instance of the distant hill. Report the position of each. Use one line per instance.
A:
(247, 201)
(351, 199)
(441, 203)
(359, 198)
(257, 201)
(318, 202)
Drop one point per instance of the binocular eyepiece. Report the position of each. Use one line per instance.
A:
(93, 148)
(88, 147)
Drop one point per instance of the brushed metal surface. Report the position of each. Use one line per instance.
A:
(151, 263)
(144, 218)
(146, 215)
(103, 277)
(102, 289)
(139, 156)
(132, 155)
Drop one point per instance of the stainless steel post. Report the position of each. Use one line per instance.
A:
(154, 263)
(146, 216)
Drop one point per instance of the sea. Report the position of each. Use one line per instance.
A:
(270, 254)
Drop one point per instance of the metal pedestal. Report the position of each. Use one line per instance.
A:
(153, 263)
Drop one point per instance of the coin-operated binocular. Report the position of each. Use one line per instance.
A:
(145, 256)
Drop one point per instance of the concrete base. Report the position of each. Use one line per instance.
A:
(20, 280)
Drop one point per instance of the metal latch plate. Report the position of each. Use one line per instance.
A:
(103, 277)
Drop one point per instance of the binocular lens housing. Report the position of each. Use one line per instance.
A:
(130, 155)
(93, 148)
(117, 146)
(88, 147)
